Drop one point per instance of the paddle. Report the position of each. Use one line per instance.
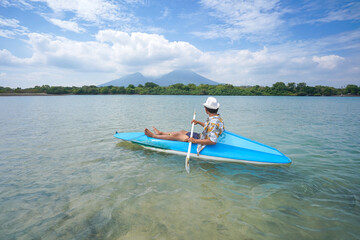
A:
(187, 163)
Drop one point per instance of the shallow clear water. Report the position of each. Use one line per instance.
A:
(64, 176)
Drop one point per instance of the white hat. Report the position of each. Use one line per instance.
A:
(212, 103)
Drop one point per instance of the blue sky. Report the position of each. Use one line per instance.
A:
(243, 42)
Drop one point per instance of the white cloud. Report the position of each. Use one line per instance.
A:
(67, 25)
(100, 13)
(328, 62)
(115, 53)
(11, 28)
(91, 10)
(13, 23)
(7, 59)
(165, 13)
(18, 3)
(343, 41)
(350, 11)
(246, 18)
(68, 54)
(7, 33)
(143, 48)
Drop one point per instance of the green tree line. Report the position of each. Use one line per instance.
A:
(149, 88)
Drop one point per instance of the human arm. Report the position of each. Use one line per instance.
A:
(198, 122)
(213, 130)
(201, 141)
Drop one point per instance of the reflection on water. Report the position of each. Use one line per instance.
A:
(129, 146)
(64, 176)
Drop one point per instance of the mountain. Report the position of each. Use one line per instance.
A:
(135, 79)
(178, 76)
(183, 76)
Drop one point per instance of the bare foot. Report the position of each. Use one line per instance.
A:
(157, 132)
(148, 133)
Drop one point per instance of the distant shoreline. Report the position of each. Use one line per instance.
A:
(45, 94)
(26, 94)
(150, 88)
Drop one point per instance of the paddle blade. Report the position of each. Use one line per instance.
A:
(187, 165)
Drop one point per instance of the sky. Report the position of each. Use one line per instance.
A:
(238, 42)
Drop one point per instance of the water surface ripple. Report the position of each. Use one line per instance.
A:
(64, 176)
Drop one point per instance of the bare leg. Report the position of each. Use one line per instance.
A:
(175, 136)
(149, 133)
(158, 132)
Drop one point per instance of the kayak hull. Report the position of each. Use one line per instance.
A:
(229, 148)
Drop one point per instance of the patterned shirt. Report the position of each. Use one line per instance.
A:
(214, 126)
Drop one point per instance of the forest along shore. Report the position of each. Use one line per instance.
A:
(277, 89)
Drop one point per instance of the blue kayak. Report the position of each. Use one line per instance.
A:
(229, 148)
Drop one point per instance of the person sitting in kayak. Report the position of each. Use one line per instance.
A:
(213, 128)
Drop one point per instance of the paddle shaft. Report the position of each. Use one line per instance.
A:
(187, 164)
